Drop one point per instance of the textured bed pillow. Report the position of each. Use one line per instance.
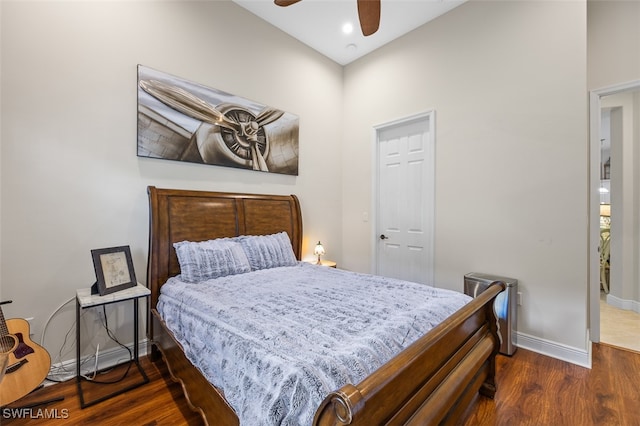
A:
(268, 251)
(205, 260)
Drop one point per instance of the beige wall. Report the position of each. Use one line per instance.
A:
(71, 181)
(613, 41)
(508, 83)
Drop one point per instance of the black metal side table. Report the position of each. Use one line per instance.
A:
(84, 300)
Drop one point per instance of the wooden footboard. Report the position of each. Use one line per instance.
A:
(432, 381)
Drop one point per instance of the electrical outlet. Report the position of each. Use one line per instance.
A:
(519, 299)
(31, 330)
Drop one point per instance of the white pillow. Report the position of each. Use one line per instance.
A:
(201, 261)
(268, 251)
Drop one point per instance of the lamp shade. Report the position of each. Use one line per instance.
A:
(319, 250)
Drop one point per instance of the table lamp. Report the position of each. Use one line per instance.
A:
(318, 251)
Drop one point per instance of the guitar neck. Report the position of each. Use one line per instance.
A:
(6, 341)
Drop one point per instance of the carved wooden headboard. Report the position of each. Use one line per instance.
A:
(178, 215)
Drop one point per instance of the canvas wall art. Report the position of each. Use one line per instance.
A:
(186, 121)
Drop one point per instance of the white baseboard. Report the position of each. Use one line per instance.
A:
(559, 351)
(625, 304)
(106, 359)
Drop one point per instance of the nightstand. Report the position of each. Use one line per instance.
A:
(328, 263)
(85, 300)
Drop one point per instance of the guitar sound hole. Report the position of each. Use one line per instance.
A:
(7, 343)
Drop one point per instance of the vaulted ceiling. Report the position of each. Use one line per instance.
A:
(319, 23)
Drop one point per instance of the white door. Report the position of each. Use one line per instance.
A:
(405, 199)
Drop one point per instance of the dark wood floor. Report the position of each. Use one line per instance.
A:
(537, 390)
(159, 402)
(532, 390)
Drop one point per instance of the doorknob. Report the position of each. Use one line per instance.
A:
(383, 237)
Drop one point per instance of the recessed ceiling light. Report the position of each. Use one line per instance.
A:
(347, 28)
(352, 47)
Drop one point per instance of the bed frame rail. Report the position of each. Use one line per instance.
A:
(431, 382)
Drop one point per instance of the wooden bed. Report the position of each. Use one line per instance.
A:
(433, 381)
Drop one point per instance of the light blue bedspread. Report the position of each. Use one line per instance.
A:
(277, 341)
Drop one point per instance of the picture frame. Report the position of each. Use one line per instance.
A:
(181, 120)
(114, 269)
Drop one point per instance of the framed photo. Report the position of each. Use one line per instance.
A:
(182, 120)
(114, 269)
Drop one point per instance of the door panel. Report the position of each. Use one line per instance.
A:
(405, 199)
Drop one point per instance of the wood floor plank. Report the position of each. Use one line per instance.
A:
(532, 390)
(159, 402)
(537, 390)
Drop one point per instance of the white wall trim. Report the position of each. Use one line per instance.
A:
(617, 88)
(106, 359)
(625, 304)
(559, 351)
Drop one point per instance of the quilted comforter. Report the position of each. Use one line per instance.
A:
(277, 341)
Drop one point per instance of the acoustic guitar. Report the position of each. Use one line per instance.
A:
(28, 363)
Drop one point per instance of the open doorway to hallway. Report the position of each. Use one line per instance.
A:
(619, 220)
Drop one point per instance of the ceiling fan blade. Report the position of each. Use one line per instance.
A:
(369, 14)
(284, 3)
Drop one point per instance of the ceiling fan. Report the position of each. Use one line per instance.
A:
(368, 13)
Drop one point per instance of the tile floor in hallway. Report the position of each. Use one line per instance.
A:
(619, 327)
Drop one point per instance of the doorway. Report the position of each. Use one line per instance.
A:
(613, 189)
(405, 198)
